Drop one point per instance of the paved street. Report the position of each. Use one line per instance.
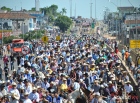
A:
(10, 71)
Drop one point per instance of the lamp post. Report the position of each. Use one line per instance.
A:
(2, 34)
(91, 9)
(95, 9)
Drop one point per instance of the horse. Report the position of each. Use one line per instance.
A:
(77, 96)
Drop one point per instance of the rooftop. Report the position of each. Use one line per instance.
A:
(132, 21)
(15, 15)
(126, 8)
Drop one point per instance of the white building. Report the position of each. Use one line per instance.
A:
(16, 22)
(37, 5)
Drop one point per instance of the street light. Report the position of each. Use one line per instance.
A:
(116, 19)
(2, 33)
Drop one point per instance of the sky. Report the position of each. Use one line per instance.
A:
(82, 6)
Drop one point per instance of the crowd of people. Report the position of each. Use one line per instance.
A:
(133, 66)
(50, 73)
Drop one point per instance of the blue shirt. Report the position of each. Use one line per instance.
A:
(49, 98)
(58, 100)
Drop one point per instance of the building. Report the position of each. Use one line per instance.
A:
(37, 7)
(39, 18)
(16, 23)
(132, 23)
(123, 11)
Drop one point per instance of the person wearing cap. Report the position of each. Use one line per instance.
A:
(26, 100)
(14, 98)
(34, 96)
(128, 87)
(14, 89)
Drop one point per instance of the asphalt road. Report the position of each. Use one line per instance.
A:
(10, 71)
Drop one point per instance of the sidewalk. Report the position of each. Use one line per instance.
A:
(123, 61)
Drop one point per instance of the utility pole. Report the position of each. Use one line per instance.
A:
(91, 9)
(70, 8)
(95, 9)
(21, 5)
(75, 10)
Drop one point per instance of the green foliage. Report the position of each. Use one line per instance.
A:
(51, 12)
(32, 35)
(5, 8)
(63, 22)
(32, 9)
(64, 11)
(51, 18)
(9, 39)
(27, 37)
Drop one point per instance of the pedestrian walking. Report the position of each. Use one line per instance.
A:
(6, 70)
(1, 71)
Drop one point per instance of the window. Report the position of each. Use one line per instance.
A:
(30, 25)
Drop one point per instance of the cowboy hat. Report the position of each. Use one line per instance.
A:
(97, 93)
(64, 79)
(47, 75)
(14, 83)
(26, 93)
(38, 87)
(127, 82)
(34, 88)
(9, 75)
(110, 82)
(14, 95)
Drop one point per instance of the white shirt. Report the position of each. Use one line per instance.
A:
(34, 96)
(45, 86)
(27, 101)
(22, 61)
(15, 91)
(76, 85)
(14, 101)
(28, 89)
(128, 88)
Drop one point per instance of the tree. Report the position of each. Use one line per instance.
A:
(32, 9)
(24, 10)
(109, 16)
(5, 8)
(63, 22)
(53, 8)
(50, 18)
(63, 11)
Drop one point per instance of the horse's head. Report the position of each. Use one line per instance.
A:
(85, 91)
